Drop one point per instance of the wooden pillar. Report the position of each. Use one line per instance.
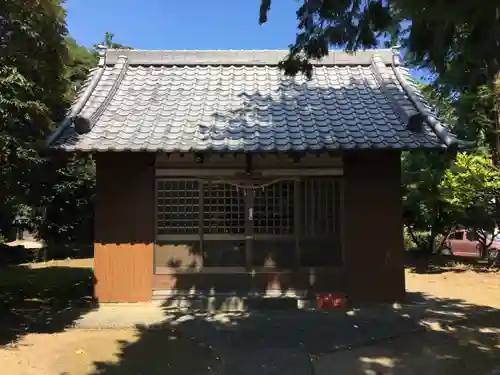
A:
(124, 227)
(373, 227)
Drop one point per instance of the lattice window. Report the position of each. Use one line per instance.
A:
(178, 206)
(318, 202)
(223, 209)
(181, 202)
(273, 209)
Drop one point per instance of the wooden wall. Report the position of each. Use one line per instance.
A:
(373, 231)
(124, 227)
(245, 283)
(372, 225)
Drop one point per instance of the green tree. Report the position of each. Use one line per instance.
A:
(427, 214)
(471, 186)
(18, 108)
(40, 70)
(32, 91)
(109, 43)
(458, 42)
(80, 61)
(64, 212)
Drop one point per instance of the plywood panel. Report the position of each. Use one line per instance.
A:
(123, 272)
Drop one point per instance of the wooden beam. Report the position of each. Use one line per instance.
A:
(249, 228)
(297, 209)
(195, 172)
(201, 203)
(302, 172)
(199, 158)
(248, 163)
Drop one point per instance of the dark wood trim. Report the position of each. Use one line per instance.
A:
(302, 281)
(249, 227)
(200, 218)
(248, 163)
(297, 210)
(339, 218)
(155, 230)
(243, 271)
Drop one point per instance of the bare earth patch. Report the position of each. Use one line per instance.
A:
(70, 352)
(467, 348)
(73, 263)
(478, 288)
(79, 352)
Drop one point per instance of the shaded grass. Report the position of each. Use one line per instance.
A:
(31, 296)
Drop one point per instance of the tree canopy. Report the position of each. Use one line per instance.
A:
(41, 69)
(471, 185)
(435, 33)
(108, 42)
(458, 44)
(32, 94)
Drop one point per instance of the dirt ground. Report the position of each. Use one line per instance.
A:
(73, 263)
(458, 282)
(471, 347)
(85, 352)
(96, 352)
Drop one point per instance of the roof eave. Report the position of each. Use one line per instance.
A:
(441, 132)
(78, 106)
(437, 146)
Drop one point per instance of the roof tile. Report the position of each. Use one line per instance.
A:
(247, 108)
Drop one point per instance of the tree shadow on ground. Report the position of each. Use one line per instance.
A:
(260, 341)
(445, 334)
(438, 264)
(45, 299)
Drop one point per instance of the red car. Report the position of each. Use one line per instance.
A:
(464, 243)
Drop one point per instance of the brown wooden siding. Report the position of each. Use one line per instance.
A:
(124, 227)
(373, 233)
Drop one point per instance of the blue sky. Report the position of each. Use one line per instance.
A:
(200, 24)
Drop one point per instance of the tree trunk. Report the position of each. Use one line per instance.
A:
(496, 149)
(432, 239)
(414, 238)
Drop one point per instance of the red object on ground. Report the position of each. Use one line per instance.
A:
(330, 301)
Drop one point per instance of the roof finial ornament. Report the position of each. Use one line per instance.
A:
(395, 55)
(101, 51)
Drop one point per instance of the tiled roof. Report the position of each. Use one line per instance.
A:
(240, 101)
